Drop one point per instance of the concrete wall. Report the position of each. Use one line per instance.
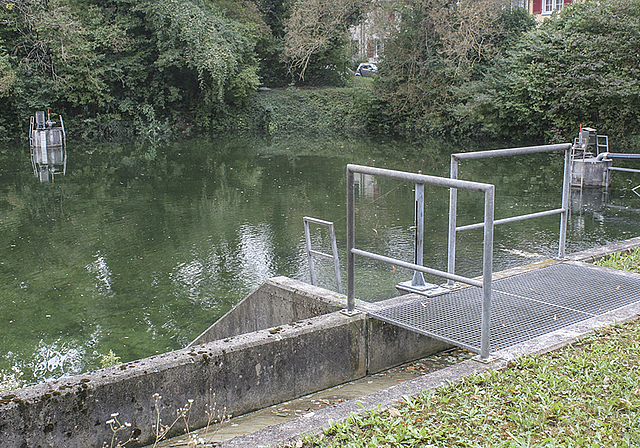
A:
(246, 372)
(278, 301)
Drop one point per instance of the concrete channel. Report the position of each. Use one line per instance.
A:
(284, 341)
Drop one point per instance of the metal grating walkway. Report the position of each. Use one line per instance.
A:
(524, 306)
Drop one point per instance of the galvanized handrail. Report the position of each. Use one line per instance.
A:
(453, 196)
(421, 179)
(310, 252)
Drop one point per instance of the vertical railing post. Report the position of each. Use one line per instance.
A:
(453, 211)
(351, 213)
(418, 278)
(487, 268)
(566, 185)
(307, 238)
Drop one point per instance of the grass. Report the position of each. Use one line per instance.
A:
(584, 395)
(628, 260)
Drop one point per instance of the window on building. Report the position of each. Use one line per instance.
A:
(549, 6)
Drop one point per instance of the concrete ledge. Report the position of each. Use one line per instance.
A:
(249, 371)
(594, 254)
(246, 372)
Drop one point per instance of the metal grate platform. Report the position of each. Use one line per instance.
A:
(523, 306)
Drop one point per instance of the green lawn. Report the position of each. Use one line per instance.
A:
(584, 395)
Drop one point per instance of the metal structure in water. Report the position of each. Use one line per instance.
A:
(592, 163)
(48, 144)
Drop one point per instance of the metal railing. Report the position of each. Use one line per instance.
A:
(453, 196)
(421, 179)
(311, 252)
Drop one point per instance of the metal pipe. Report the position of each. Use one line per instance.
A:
(420, 178)
(510, 151)
(307, 237)
(321, 255)
(628, 170)
(424, 269)
(336, 261)
(512, 219)
(318, 221)
(487, 270)
(616, 155)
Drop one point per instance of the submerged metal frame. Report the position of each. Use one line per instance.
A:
(311, 252)
(421, 179)
(453, 197)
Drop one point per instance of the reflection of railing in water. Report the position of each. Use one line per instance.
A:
(48, 147)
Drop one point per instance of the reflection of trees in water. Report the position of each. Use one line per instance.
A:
(153, 244)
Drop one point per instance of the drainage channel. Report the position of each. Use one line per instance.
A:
(282, 412)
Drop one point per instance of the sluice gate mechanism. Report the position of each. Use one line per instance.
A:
(592, 163)
(48, 143)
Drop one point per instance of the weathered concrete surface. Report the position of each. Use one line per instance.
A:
(591, 255)
(286, 359)
(278, 301)
(246, 372)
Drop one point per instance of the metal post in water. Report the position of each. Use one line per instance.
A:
(351, 214)
(566, 185)
(418, 278)
(487, 268)
(336, 261)
(307, 237)
(417, 283)
(453, 210)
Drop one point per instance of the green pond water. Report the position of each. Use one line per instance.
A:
(138, 249)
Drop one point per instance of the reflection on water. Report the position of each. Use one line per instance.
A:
(137, 250)
(256, 254)
(102, 273)
(49, 161)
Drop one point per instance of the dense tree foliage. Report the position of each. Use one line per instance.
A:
(155, 67)
(436, 52)
(479, 68)
(110, 63)
(317, 29)
(579, 67)
(450, 67)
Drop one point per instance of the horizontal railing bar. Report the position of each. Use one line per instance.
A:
(512, 219)
(321, 254)
(318, 221)
(628, 170)
(421, 178)
(416, 267)
(510, 151)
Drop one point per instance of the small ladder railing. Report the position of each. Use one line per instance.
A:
(602, 144)
(311, 252)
